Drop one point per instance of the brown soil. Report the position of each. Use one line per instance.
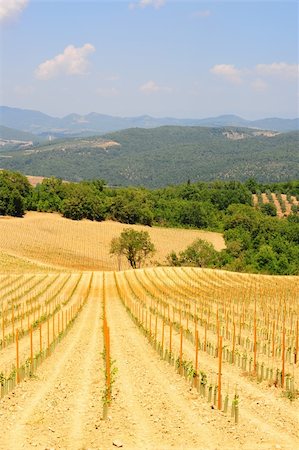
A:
(152, 406)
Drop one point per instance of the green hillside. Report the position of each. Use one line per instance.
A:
(165, 155)
(14, 138)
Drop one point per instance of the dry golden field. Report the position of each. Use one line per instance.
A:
(41, 241)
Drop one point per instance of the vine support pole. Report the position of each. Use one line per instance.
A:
(219, 373)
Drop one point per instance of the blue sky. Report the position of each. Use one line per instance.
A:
(163, 58)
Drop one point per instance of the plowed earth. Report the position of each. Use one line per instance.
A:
(152, 406)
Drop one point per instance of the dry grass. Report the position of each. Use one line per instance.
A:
(43, 240)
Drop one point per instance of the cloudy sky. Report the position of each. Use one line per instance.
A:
(164, 58)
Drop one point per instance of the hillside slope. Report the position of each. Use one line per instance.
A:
(42, 240)
(165, 155)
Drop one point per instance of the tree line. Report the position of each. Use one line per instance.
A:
(255, 241)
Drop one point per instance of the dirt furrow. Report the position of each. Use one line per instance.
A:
(54, 409)
(164, 413)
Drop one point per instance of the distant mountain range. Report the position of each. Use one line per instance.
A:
(42, 124)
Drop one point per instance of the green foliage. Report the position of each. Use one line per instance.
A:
(255, 241)
(163, 156)
(80, 202)
(136, 246)
(199, 254)
(131, 206)
(269, 209)
(14, 190)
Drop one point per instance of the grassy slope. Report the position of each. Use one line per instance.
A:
(43, 239)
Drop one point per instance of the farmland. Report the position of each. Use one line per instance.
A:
(199, 358)
(282, 202)
(40, 241)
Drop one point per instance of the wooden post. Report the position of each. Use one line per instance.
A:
(170, 339)
(17, 356)
(254, 339)
(273, 339)
(196, 359)
(219, 372)
(283, 353)
(181, 351)
(13, 321)
(156, 326)
(53, 328)
(40, 338)
(163, 325)
(296, 344)
(205, 336)
(31, 348)
(48, 335)
(234, 343)
(3, 328)
(108, 371)
(22, 312)
(28, 315)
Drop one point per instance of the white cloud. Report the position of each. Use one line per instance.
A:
(281, 70)
(73, 61)
(151, 87)
(157, 4)
(201, 14)
(9, 9)
(259, 85)
(107, 92)
(228, 71)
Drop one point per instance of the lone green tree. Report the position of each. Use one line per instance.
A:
(136, 246)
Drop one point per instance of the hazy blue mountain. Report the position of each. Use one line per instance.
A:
(95, 123)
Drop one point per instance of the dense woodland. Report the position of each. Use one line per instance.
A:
(162, 156)
(256, 241)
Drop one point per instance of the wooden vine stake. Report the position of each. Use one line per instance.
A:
(170, 339)
(108, 372)
(162, 345)
(40, 338)
(296, 344)
(17, 356)
(283, 353)
(31, 348)
(273, 339)
(3, 328)
(219, 372)
(254, 339)
(181, 351)
(196, 360)
(13, 321)
(48, 335)
(234, 343)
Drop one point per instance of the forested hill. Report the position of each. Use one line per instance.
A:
(165, 155)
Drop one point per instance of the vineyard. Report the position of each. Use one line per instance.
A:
(284, 204)
(153, 358)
